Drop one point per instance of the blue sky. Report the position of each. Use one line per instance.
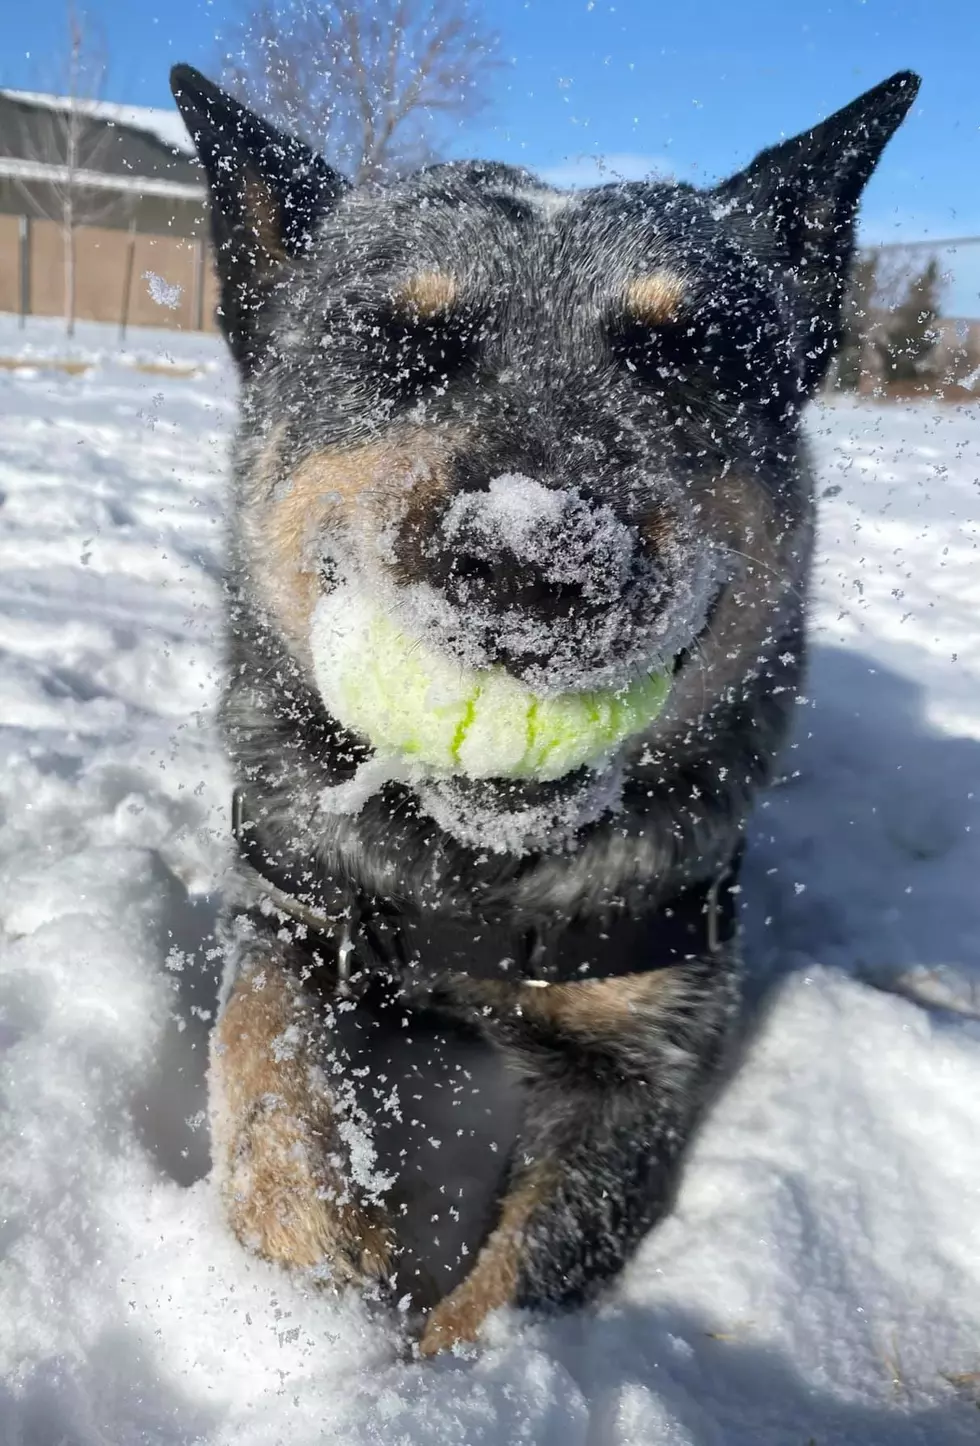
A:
(695, 87)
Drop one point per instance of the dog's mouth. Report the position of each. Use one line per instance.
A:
(519, 816)
(505, 816)
(505, 666)
(496, 767)
(542, 581)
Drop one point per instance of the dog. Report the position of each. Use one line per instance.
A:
(548, 970)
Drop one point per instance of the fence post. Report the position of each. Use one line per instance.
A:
(24, 235)
(198, 322)
(128, 279)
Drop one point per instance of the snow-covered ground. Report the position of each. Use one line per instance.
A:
(819, 1281)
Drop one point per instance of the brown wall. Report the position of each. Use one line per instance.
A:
(154, 215)
(111, 281)
(9, 263)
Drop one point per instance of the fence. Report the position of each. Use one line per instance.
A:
(908, 332)
(959, 264)
(123, 277)
(112, 268)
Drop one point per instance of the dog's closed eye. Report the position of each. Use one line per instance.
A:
(655, 341)
(648, 324)
(424, 337)
(675, 337)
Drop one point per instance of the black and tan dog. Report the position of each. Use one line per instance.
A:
(644, 351)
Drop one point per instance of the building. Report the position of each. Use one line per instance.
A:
(95, 199)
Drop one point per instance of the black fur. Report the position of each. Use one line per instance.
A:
(685, 430)
(236, 147)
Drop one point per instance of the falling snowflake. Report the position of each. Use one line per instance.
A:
(164, 293)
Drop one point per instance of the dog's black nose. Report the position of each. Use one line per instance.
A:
(503, 581)
(517, 557)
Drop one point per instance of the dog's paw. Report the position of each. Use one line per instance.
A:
(285, 1204)
(454, 1321)
(459, 1318)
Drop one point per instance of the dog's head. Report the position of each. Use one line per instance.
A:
(553, 431)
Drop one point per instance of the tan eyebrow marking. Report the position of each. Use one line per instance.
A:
(655, 300)
(428, 293)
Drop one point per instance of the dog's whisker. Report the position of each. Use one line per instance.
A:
(786, 584)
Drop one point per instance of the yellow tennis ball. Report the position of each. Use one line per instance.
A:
(413, 703)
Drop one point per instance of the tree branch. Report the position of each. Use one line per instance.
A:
(373, 80)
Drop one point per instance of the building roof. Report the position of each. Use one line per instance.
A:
(125, 165)
(164, 125)
(13, 168)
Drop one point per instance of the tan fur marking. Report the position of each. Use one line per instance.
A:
(360, 487)
(658, 528)
(262, 216)
(743, 514)
(600, 1005)
(272, 1132)
(746, 517)
(428, 293)
(584, 1006)
(655, 300)
(493, 1280)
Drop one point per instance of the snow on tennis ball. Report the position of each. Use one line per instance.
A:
(410, 702)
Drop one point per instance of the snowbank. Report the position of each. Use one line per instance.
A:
(820, 1278)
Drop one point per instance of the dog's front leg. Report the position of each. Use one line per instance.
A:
(616, 1073)
(279, 1159)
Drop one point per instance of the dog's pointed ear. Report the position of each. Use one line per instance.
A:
(796, 205)
(267, 192)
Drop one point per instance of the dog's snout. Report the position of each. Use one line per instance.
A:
(519, 546)
(547, 579)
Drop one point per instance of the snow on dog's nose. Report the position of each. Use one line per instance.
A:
(552, 583)
(521, 548)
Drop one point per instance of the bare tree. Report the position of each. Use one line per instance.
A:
(907, 348)
(66, 144)
(853, 353)
(970, 376)
(371, 84)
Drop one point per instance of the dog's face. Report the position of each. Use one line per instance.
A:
(552, 431)
(534, 421)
